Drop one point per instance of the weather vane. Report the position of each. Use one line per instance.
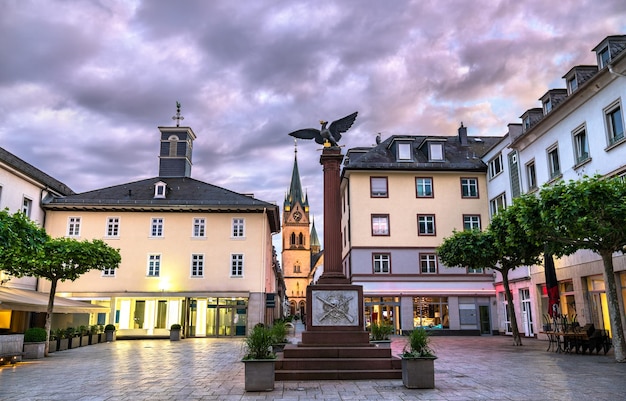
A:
(178, 117)
(327, 136)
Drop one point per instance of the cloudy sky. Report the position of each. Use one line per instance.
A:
(85, 84)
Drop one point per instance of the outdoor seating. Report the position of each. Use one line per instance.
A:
(566, 336)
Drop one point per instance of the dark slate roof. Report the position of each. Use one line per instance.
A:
(34, 173)
(183, 194)
(457, 156)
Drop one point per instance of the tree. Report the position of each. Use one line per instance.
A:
(589, 214)
(26, 250)
(503, 246)
(20, 240)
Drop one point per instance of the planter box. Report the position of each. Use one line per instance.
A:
(175, 335)
(109, 335)
(11, 346)
(94, 339)
(280, 347)
(84, 341)
(64, 344)
(53, 346)
(73, 342)
(259, 374)
(418, 372)
(381, 343)
(34, 350)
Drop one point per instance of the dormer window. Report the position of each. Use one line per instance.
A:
(160, 189)
(435, 151)
(404, 152)
(572, 85)
(604, 57)
(547, 106)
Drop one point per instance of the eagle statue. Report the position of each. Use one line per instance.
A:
(330, 135)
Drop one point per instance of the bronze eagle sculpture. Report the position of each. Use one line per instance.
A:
(332, 134)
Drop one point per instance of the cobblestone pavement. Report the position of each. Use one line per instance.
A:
(468, 368)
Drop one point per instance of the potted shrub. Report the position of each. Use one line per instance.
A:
(94, 338)
(175, 332)
(379, 334)
(259, 359)
(83, 333)
(418, 361)
(72, 336)
(34, 343)
(109, 331)
(279, 336)
(64, 342)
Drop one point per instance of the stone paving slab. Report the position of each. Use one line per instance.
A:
(467, 368)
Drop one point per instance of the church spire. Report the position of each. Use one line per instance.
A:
(315, 241)
(295, 194)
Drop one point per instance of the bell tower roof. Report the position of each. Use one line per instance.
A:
(295, 194)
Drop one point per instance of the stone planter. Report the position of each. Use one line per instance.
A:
(74, 342)
(418, 372)
(84, 340)
(109, 335)
(64, 343)
(381, 343)
(34, 350)
(174, 334)
(259, 374)
(53, 346)
(11, 346)
(279, 347)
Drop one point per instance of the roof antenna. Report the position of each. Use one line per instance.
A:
(178, 117)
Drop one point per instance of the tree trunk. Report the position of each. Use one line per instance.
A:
(617, 328)
(53, 290)
(517, 339)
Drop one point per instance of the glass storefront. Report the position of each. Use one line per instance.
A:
(431, 312)
(382, 310)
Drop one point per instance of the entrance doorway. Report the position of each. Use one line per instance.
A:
(527, 314)
(485, 320)
(217, 317)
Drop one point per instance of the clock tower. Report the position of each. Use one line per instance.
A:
(301, 253)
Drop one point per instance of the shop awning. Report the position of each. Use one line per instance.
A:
(33, 301)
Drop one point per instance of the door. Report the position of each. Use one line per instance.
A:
(527, 314)
(485, 321)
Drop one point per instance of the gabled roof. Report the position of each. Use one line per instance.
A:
(457, 156)
(34, 173)
(183, 194)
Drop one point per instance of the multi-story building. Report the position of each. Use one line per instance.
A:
(578, 131)
(192, 253)
(23, 188)
(302, 254)
(400, 199)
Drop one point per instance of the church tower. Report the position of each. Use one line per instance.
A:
(301, 247)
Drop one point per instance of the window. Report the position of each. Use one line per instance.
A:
(469, 187)
(27, 206)
(496, 204)
(572, 85)
(160, 189)
(471, 222)
(581, 147)
(495, 166)
(404, 151)
(380, 224)
(198, 227)
(154, 265)
(380, 262)
(553, 162)
(426, 224)
(197, 265)
(614, 123)
(604, 57)
(424, 187)
(173, 145)
(236, 265)
(157, 227)
(108, 272)
(378, 186)
(526, 123)
(547, 106)
(435, 151)
(113, 227)
(238, 228)
(428, 263)
(73, 227)
(531, 176)
(475, 270)
(296, 268)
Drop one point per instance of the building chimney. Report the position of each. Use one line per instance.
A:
(463, 135)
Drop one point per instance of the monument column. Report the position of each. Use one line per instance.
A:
(333, 270)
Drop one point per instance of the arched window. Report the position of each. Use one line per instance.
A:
(292, 239)
(301, 239)
(173, 145)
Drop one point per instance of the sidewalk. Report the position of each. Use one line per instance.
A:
(468, 368)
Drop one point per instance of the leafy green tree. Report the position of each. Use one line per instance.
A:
(26, 250)
(503, 246)
(20, 240)
(588, 214)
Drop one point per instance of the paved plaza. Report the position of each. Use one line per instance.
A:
(468, 368)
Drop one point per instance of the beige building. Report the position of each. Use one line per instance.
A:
(302, 254)
(401, 198)
(192, 253)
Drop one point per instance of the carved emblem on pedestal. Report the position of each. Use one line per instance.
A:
(335, 308)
